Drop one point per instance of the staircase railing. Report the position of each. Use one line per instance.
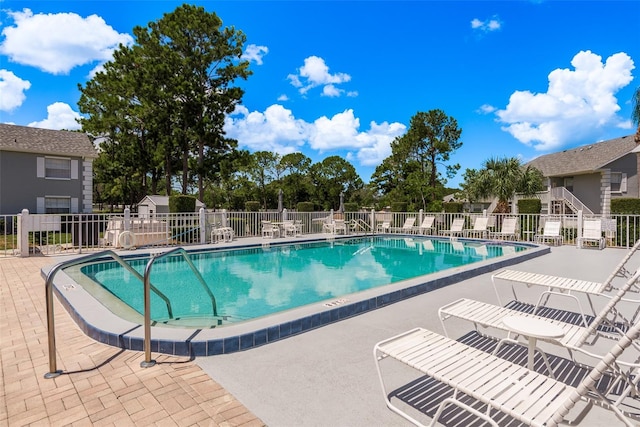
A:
(561, 193)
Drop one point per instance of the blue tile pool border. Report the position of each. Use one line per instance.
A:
(196, 343)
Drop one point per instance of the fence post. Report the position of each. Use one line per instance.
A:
(420, 213)
(23, 233)
(127, 219)
(203, 226)
(579, 229)
(373, 221)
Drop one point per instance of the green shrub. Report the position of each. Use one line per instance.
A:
(351, 207)
(305, 207)
(399, 207)
(625, 206)
(182, 203)
(435, 206)
(453, 207)
(252, 206)
(529, 206)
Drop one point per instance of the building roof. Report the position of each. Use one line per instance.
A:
(26, 139)
(164, 201)
(584, 159)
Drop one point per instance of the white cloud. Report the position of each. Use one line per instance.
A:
(56, 43)
(274, 130)
(255, 53)
(283, 97)
(486, 109)
(492, 24)
(576, 103)
(278, 130)
(59, 116)
(316, 73)
(12, 90)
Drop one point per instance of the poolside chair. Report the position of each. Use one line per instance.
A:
(509, 229)
(224, 234)
(479, 229)
(270, 230)
(456, 229)
(340, 227)
(501, 386)
(407, 227)
(555, 284)
(291, 228)
(426, 225)
(551, 233)
(591, 233)
(573, 336)
(384, 227)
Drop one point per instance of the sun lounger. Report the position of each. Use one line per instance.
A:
(456, 229)
(574, 336)
(509, 229)
(407, 227)
(479, 229)
(502, 387)
(426, 225)
(565, 284)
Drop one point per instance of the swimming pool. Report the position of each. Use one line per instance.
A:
(255, 282)
(266, 293)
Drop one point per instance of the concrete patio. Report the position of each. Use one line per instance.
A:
(324, 377)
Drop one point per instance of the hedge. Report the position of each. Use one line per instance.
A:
(305, 207)
(351, 207)
(453, 207)
(252, 206)
(182, 203)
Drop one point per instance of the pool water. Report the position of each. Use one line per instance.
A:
(256, 282)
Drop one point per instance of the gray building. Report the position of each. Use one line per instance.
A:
(45, 171)
(591, 175)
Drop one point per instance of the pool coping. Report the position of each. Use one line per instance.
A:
(99, 323)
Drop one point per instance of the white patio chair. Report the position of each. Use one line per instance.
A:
(503, 387)
(573, 336)
(479, 229)
(509, 229)
(426, 225)
(456, 229)
(384, 227)
(270, 230)
(591, 233)
(407, 227)
(551, 233)
(566, 285)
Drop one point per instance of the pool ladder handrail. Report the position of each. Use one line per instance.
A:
(53, 372)
(148, 362)
(362, 224)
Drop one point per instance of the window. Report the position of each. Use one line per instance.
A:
(568, 183)
(57, 168)
(618, 182)
(57, 205)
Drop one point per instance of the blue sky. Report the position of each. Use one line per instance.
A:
(522, 78)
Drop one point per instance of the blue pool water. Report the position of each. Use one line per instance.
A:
(255, 282)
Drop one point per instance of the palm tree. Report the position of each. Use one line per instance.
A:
(635, 113)
(502, 178)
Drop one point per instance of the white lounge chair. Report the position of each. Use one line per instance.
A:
(551, 233)
(591, 233)
(426, 225)
(384, 227)
(566, 284)
(407, 227)
(499, 385)
(573, 336)
(456, 229)
(479, 229)
(509, 229)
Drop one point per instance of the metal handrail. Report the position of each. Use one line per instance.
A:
(53, 372)
(365, 226)
(148, 362)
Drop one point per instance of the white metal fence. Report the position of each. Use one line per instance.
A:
(53, 234)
